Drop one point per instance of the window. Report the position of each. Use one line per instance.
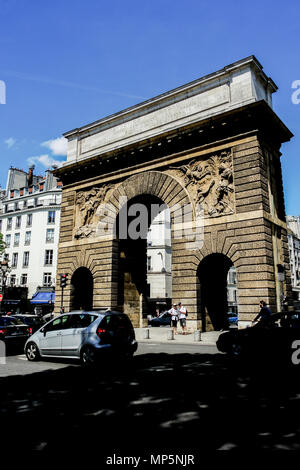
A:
(48, 257)
(58, 324)
(17, 239)
(26, 258)
(47, 279)
(29, 220)
(13, 280)
(7, 240)
(0, 225)
(14, 262)
(50, 235)
(149, 266)
(18, 221)
(9, 223)
(81, 320)
(51, 217)
(27, 238)
(23, 279)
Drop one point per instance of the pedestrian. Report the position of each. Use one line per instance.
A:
(182, 317)
(264, 315)
(174, 317)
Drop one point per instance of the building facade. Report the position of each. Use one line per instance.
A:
(209, 151)
(159, 259)
(29, 222)
(293, 223)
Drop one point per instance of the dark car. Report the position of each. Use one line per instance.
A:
(164, 319)
(273, 341)
(13, 331)
(34, 321)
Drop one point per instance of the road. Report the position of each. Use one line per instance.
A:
(18, 364)
(166, 392)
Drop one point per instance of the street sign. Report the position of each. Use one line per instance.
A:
(1, 297)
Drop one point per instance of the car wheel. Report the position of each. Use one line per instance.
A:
(32, 352)
(88, 356)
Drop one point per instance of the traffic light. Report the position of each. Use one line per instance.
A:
(63, 280)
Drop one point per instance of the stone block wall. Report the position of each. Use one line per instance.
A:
(248, 236)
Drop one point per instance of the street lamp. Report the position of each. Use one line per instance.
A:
(4, 268)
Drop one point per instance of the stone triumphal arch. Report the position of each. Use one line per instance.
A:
(209, 151)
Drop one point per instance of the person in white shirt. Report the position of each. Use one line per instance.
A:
(182, 317)
(174, 317)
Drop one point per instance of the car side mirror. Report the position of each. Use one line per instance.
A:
(43, 330)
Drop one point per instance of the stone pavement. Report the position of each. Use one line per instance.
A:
(162, 335)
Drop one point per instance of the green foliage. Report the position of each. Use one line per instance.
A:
(2, 244)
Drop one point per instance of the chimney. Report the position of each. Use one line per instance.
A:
(30, 175)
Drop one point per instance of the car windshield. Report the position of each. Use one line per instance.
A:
(6, 321)
(163, 314)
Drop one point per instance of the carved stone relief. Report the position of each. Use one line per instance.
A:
(210, 182)
(87, 203)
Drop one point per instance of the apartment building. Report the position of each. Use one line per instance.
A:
(29, 222)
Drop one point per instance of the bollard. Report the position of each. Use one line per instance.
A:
(197, 335)
(147, 333)
(171, 334)
(2, 353)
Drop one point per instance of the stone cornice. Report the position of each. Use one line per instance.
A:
(162, 99)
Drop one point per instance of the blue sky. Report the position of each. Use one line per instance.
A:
(69, 62)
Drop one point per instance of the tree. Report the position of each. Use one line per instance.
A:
(2, 244)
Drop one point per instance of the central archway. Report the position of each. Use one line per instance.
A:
(132, 225)
(213, 294)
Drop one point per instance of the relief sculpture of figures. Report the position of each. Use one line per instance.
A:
(211, 183)
(87, 203)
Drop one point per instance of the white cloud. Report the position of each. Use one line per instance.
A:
(10, 142)
(57, 146)
(44, 160)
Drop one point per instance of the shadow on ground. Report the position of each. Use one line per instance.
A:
(159, 402)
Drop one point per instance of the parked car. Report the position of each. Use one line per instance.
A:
(87, 336)
(13, 331)
(259, 343)
(34, 321)
(164, 319)
(232, 319)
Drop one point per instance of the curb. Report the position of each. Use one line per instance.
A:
(174, 341)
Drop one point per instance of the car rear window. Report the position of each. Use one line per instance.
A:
(30, 320)
(4, 321)
(81, 320)
(113, 322)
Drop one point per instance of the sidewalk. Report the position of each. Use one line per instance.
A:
(161, 335)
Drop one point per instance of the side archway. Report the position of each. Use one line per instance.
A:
(81, 297)
(213, 294)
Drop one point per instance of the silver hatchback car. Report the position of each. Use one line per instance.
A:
(83, 335)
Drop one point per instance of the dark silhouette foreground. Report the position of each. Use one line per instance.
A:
(214, 401)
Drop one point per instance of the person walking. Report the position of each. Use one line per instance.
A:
(182, 317)
(174, 317)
